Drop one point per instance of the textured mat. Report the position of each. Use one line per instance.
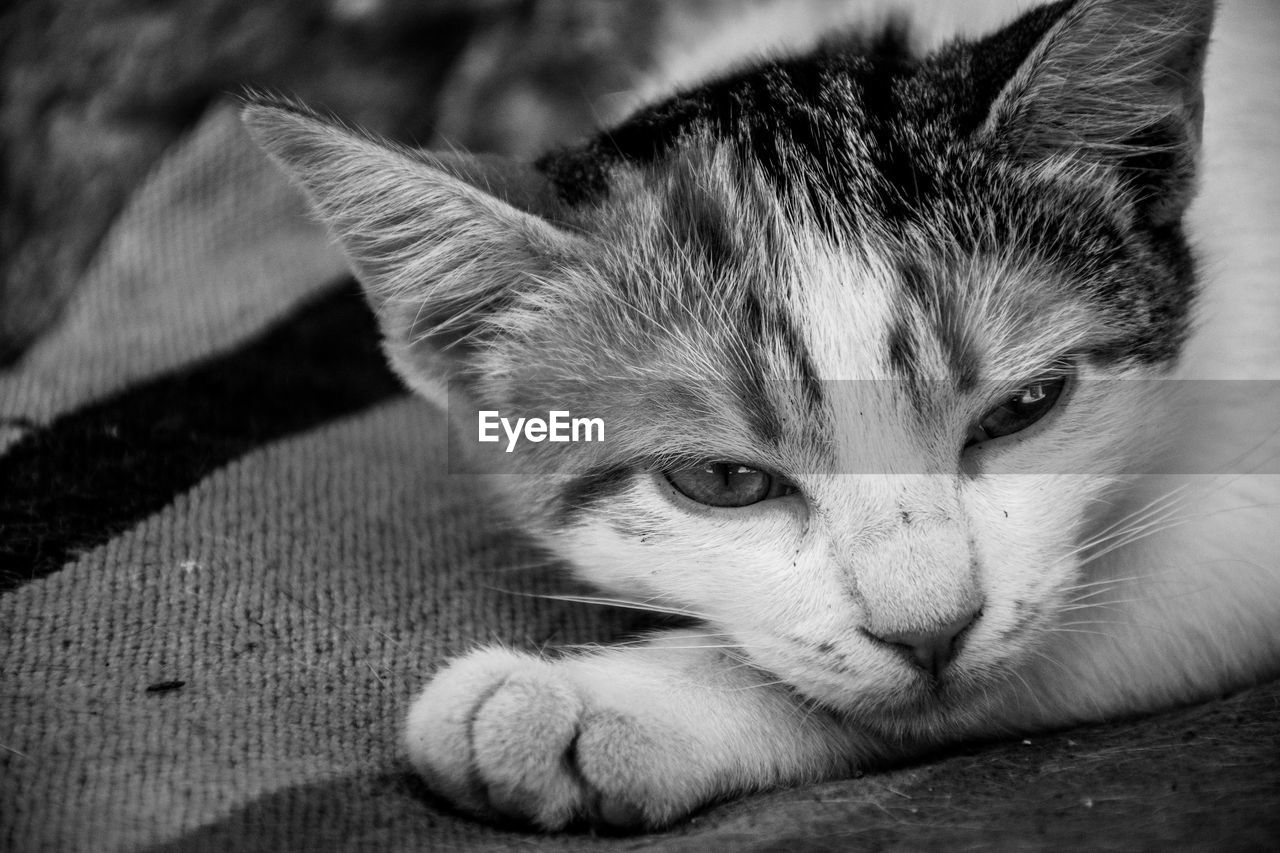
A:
(231, 553)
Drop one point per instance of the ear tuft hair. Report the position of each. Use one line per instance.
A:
(1116, 84)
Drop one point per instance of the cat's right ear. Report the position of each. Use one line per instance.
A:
(1114, 84)
(442, 243)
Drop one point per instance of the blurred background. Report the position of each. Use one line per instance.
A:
(92, 92)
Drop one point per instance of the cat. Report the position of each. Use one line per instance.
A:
(881, 337)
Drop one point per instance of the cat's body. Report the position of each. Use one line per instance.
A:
(922, 305)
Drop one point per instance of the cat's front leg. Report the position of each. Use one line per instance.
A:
(627, 737)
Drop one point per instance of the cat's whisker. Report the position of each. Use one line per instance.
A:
(1234, 509)
(805, 709)
(1069, 608)
(1087, 591)
(1155, 515)
(1120, 623)
(1157, 511)
(1146, 596)
(1029, 692)
(1102, 605)
(1135, 535)
(604, 601)
(1162, 525)
(1112, 581)
(643, 647)
(1115, 536)
(518, 568)
(1051, 659)
(1079, 622)
(1156, 504)
(1059, 629)
(1160, 503)
(1093, 597)
(759, 685)
(1095, 549)
(1132, 539)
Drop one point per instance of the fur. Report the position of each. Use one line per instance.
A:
(830, 266)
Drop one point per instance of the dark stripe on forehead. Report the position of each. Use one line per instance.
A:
(916, 282)
(768, 323)
(963, 362)
(903, 357)
(902, 348)
(762, 418)
(937, 301)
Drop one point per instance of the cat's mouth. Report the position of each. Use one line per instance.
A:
(884, 688)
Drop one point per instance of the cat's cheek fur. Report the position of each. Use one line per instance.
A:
(681, 555)
(1028, 559)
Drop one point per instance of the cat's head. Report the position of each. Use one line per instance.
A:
(852, 323)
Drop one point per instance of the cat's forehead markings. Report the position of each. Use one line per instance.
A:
(929, 316)
(844, 307)
(724, 233)
(778, 340)
(870, 315)
(802, 120)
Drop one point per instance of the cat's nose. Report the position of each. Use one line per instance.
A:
(931, 650)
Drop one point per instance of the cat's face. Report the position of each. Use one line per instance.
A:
(855, 326)
(906, 474)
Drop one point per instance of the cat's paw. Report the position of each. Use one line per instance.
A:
(504, 733)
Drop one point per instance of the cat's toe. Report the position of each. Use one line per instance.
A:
(628, 784)
(495, 732)
(523, 738)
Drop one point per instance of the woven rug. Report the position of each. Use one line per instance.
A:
(232, 553)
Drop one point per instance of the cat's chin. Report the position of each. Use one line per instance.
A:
(904, 706)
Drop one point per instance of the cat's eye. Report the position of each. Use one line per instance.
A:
(728, 484)
(1019, 410)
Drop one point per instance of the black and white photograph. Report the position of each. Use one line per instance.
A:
(639, 425)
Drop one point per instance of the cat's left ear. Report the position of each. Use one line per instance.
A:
(1116, 84)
